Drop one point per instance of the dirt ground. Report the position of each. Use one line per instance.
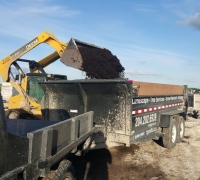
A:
(145, 161)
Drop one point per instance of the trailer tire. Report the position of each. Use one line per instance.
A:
(170, 135)
(180, 129)
(65, 171)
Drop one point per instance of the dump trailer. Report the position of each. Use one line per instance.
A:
(125, 112)
(30, 148)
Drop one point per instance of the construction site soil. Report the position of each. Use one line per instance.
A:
(101, 64)
(144, 161)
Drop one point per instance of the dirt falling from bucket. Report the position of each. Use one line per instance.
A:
(101, 64)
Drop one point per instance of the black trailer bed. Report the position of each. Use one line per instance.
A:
(120, 114)
(21, 127)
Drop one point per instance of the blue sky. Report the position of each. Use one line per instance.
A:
(156, 41)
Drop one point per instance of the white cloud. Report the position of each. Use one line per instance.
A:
(22, 19)
(193, 63)
(181, 14)
(181, 8)
(141, 73)
(193, 21)
(54, 11)
(26, 10)
(155, 57)
(144, 8)
(191, 80)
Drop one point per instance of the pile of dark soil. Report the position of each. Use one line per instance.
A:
(101, 64)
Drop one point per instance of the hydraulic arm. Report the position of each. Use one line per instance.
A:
(44, 37)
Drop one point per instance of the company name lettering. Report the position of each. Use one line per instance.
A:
(31, 43)
(20, 51)
(141, 101)
(156, 99)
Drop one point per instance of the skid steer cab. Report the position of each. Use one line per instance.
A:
(22, 93)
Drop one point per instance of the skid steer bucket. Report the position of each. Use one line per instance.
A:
(97, 62)
(109, 99)
(72, 55)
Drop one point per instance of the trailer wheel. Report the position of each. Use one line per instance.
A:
(170, 135)
(65, 171)
(180, 129)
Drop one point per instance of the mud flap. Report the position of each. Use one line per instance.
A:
(109, 99)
